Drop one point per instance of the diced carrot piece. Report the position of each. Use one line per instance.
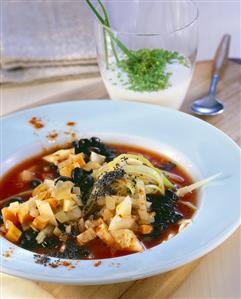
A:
(23, 216)
(54, 203)
(13, 233)
(79, 159)
(145, 229)
(9, 215)
(40, 223)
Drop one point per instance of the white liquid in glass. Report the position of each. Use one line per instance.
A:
(116, 82)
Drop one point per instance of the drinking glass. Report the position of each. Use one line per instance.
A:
(168, 25)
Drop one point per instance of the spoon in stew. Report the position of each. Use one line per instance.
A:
(210, 104)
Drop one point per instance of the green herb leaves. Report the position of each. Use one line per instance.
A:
(147, 72)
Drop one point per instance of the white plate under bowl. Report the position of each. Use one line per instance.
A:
(200, 147)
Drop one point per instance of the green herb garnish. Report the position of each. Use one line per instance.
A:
(149, 73)
(146, 68)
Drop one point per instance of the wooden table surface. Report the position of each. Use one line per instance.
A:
(161, 286)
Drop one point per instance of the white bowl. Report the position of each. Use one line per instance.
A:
(201, 148)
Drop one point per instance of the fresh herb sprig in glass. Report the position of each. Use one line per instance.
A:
(106, 27)
(146, 68)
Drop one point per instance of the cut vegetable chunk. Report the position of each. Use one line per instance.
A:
(127, 240)
(13, 233)
(9, 216)
(40, 223)
(46, 212)
(119, 222)
(103, 233)
(86, 236)
(124, 208)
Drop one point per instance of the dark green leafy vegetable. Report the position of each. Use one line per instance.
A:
(73, 251)
(166, 213)
(148, 72)
(29, 239)
(50, 242)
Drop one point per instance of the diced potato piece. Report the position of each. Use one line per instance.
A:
(43, 195)
(81, 225)
(127, 240)
(103, 233)
(141, 189)
(49, 183)
(26, 175)
(91, 166)
(46, 212)
(88, 224)
(9, 215)
(14, 206)
(110, 202)
(119, 222)
(86, 236)
(68, 229)
(145, 229)
(59, 156)
(94, 157)
(97, 222)
(61, 217)
(93, 223)
(63, 190)
(33, 211)
(40, 223)
(141, 196)
(54, 203)
(119, 199)
(76, 190)
(23, 214)
(74, 214)
(68, 205)
(57, 232)
(145, 217)
(107, 215)
(39, 189)
(101, 201)
(13, 233)
(47, 231)
(124, 208)
(65, 163)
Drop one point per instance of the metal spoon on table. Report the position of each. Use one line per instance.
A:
(210, 104)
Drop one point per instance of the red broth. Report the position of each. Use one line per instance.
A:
(11, 185)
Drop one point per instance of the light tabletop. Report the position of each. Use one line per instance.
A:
(217, 275)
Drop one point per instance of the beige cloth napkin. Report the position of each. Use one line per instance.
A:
(42, 74)
(46, 39)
